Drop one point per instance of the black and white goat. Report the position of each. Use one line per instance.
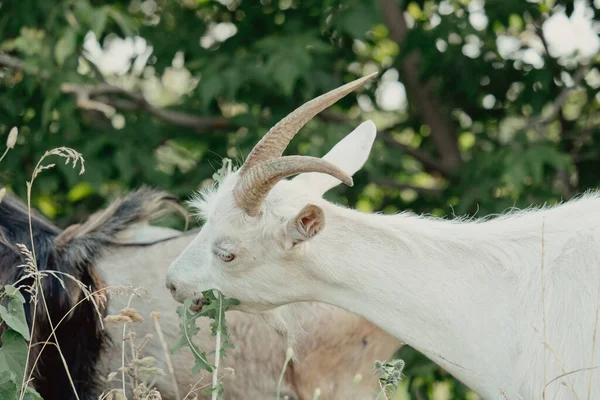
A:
(75, 252)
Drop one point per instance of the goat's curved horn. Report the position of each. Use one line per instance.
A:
(279, 136)
(253, 187)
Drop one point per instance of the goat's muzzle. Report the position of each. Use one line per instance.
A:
(198, 303)
(171, 288)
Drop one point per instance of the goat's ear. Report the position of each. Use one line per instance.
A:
(349, 154)
(305, 225)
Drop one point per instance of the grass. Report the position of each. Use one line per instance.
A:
(140, 371)
(31, 266)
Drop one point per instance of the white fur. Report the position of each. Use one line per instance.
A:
(334, 344)
(466, 293)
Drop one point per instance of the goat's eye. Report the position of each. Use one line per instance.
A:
(225, 256)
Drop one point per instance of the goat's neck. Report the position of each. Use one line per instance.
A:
(421, 285)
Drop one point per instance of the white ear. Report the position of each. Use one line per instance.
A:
(349, 154)
(305, 225)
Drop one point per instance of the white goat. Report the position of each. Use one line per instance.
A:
(508, 305)
(333, 347)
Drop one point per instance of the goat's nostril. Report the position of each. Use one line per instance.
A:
(170, 286)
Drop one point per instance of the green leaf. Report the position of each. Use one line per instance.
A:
(124, 160)
(14, 317)
(14, 293)
(13, 354)
(31, 65)
(214, 309)
(8, 386)
(124, 21)
(65, 46)
(80, 191)
(187, 330)
(209, 88)
(98, 19)
(32, 394)
(286, 73)
(357, 21)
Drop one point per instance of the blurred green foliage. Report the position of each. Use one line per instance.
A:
(482, 131)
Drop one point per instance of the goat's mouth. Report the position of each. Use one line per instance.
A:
(198, 303)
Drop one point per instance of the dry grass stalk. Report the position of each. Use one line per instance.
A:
(165, 347)
(71, 157)
(141, 370)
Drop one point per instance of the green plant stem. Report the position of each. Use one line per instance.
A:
(285, 364)
(4, 155)
(217, 350)
(316, 394)
(382, 392)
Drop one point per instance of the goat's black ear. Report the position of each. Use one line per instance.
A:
(305, 225)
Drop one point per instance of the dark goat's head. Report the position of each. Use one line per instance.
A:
(75, 252)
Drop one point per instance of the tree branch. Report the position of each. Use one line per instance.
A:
(540, 32)
(16, 63)
(426, 103)
(102, 98)
(10, 62)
